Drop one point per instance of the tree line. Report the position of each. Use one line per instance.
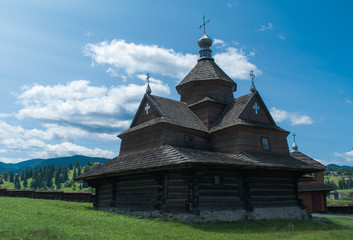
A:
(48, 177)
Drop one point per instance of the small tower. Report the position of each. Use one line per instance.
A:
(207, 89)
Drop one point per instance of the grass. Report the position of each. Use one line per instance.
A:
(22, 218)
(338, 202)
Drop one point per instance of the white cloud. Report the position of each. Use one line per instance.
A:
(349, 101)
(11, 160)
(235, 64)
(267, 27)
(282, 37)
(34, 142)
(324, 162)
(78, 102)
(128, 58)
(229, 5)
(69, 112)
(218, 42)
(294, 118)
(348, 156)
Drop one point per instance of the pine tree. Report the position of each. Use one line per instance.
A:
(34, 183)
(66, 174)
(1, 181)
(70, 166)
(77, 163)
(25, 183)
(79, 171)
(17, 182)
(22, 175)
(6, 176)
(11, 176)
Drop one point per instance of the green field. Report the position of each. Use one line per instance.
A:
(22, 218)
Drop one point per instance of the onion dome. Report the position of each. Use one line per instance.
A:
(252, 87)
(205, 42)
(148, 89)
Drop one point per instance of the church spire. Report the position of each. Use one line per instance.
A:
(205, 42)
(294, 147)
(148, 89)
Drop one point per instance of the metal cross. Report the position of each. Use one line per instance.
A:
(147, 108)
(204, 24)
(256, 108)
(148, 78)
(252, 75)
(294, 135)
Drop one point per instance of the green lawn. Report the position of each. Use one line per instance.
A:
(338, 202)
(22, 218)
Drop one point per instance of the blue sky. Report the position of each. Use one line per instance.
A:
(72, 73)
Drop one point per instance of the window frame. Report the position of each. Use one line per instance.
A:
(263, 144)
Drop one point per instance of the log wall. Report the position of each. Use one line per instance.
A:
(104, 195)
(248, 139)
(272, 190)
(222, 195)
(138, 192)
(193, 191)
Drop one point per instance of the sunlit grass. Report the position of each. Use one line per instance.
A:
(22, 218)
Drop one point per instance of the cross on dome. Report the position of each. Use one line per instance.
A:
(204, 24)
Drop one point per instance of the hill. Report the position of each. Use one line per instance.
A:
(65, 161)
(337, 166)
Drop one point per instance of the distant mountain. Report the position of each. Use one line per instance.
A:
(65, 161)
(337, 166)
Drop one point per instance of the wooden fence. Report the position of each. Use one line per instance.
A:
(346, 209)
(53, 195)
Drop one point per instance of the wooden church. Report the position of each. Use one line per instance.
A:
(207, 157)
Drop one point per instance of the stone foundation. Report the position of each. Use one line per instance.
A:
(279, 213)
(224, 216)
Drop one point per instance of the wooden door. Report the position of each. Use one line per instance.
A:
(317, 201)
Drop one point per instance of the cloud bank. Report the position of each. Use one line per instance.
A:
(294, 118)
(348, 156)
(126, 59)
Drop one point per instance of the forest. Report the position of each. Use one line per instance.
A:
(48, 177)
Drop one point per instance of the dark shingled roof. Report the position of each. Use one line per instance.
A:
(166, 156)
(173, 112)
(206, 69)
(304, 158)
(231, 115)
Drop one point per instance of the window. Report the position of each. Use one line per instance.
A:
(265, 144)
(188, 141)
(216, 180)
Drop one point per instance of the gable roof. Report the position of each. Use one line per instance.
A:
(166, 156)
(232, 114)
(206, 69)
(172, 112)
(304, 158)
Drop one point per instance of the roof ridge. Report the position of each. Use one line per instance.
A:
(206, 69)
